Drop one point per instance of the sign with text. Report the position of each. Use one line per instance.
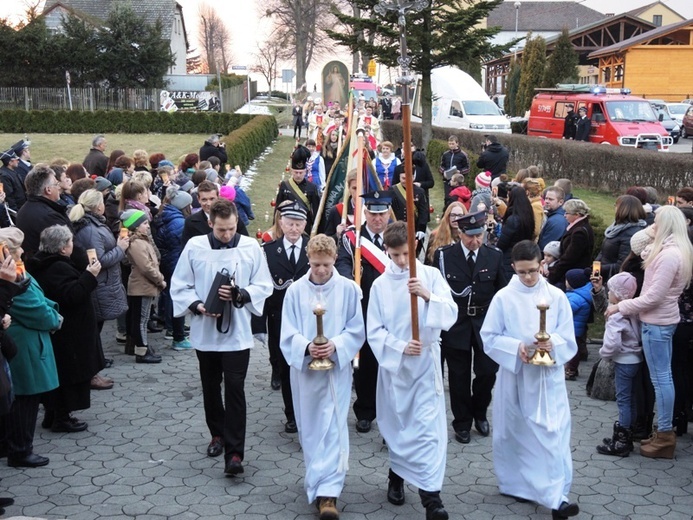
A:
(190, 101)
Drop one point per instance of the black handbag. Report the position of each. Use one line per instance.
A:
(214, 304)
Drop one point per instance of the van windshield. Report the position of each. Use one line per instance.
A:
(630, 111)
(481, 108)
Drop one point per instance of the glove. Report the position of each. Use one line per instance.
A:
(239, 297)
(420, 235)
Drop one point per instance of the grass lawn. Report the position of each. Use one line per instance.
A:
(45, 147)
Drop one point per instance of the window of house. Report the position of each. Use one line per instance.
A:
(657, 20)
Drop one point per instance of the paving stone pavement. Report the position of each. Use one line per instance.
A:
(144, 457)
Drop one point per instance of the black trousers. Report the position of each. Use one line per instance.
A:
(279, 364)
(365, 384)
(20, 424)
(225, 418)
(469, 399)
(681, 368)
(297, 126)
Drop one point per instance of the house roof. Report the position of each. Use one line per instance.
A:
(638, 11)
(542, 16)
(659, 32)
(151, 10)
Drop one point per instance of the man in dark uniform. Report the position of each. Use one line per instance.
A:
(373, 262)
(584, 125)
(298, 188)
(475, 273)
(21, 148)
(333, 219)
(399, 205)
(287, 261)
(12, 183)
(570, 123)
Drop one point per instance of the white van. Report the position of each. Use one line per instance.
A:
(460, 102)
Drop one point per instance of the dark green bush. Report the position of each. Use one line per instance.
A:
(610, 169)
(245, 144)
(111, 121)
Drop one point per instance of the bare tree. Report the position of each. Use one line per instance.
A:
(214, 39)
(303, 21)
(269, 54)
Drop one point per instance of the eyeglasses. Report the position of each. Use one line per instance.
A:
(54, 185)
(455, 216)
(531, 272)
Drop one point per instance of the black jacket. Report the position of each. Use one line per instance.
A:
(576, 251)
(36, 215)
(582, 132)
(8, 349)
(96, 162)
(494, 159)
(570, 125)
(399, 206)
(283, 273)
(15, 196)
(208, 150)
(309, 189)
(487, 279)
(197, 224)
(454, 158)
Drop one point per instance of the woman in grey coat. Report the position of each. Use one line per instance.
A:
(91, 232)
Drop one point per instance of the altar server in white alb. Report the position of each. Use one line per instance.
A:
(321, 397)
(531, 413)
(222, 341)
(410, 394)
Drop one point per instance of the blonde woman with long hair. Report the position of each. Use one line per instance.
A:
(446, 233)
(668, 264)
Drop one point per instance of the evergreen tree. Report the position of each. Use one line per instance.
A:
(79, 47)
(447, 32)
(532, 76)
(562, 65)
(511, 86)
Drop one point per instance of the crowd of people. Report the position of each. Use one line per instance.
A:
(148, 243)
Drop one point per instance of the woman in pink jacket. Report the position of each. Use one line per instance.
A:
(668, 264)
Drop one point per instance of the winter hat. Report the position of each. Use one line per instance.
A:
(640, 240)
(178, 198)
(12, 236)
(553, 248)
(183, 182)
(132, 218)
(115, 176)
(483, 180)
(228, 193)
(577, 278)
(102, 183)
(165, 162)
(623, 286)
(212, 174)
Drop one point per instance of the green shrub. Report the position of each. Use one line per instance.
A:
(245, 144)
(112, 121)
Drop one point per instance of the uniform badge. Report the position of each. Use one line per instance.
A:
(376, 195)
(281, 281)
(472, 220)
(279, 250)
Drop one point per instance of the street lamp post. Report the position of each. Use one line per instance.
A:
(406, 79)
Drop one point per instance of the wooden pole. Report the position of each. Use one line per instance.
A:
(357, 209)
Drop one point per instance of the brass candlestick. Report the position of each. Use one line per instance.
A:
(320, 339)
(541, 357)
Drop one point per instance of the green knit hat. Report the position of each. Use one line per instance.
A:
(132, 218)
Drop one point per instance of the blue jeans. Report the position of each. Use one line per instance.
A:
(657, 346)
(627, 410)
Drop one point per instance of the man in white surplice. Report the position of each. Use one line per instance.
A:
(321, 397)
(410, 394)
(531, 412)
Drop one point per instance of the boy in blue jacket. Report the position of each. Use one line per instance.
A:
(579, 293)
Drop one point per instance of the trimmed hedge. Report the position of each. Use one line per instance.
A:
(245, 144)
(126, 122)
(605, 168)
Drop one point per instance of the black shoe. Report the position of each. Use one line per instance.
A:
(149, 357)
(4, 502)
(436, 513)
(68, 425)
(463, 436)
(48, 418)
(290, 426)
(154, 327)
(233, 466)
(482, 427)
(565, 511)
(395, 492)
(276, 381)
(108, 363)
(363, 426)
(216, 447)
(30, 461)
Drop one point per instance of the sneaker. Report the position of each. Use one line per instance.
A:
(168, 334)
(182, 345)
(121, 337)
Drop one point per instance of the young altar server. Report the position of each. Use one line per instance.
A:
(410, 394)
(321, 397)
(531, 413)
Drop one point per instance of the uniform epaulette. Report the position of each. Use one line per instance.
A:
(492, 247)
(443, 248)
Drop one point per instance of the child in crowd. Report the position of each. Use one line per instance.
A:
(552, 252)
(622, 345)
(579, 293)
(145, 282)
(458, 192)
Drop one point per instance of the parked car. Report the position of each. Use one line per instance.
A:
(687, 125)
(667, 121)
(676, 110)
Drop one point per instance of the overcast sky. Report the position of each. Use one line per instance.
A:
(248, 29)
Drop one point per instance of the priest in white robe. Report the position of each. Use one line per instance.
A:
(410, 393)
(531, 412)
(222, 340)
(321, 397)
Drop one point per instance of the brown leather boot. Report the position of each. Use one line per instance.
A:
(661, 447)
(647, 441)
(327, 507)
